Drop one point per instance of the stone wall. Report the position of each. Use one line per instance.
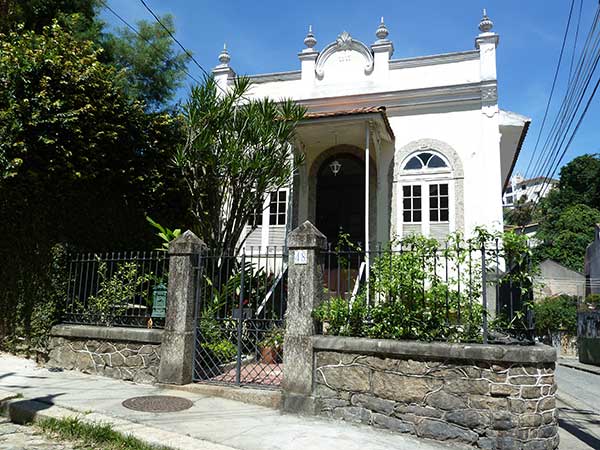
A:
(491, 397)
(125, 353)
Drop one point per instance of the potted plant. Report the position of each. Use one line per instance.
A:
(271, 347)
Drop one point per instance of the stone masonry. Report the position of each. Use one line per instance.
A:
(487, 404)
(116, 357)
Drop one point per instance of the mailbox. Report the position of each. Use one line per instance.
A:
(159, 300)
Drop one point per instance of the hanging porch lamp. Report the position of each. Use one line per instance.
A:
(335, 167)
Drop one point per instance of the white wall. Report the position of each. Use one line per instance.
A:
(461, 130)
(344, 81)
(344, 77)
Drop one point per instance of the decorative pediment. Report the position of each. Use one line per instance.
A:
(348, 51)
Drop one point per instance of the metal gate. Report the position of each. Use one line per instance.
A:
(240, 305)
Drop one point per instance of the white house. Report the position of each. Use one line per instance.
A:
(530, 190)
(392, 146)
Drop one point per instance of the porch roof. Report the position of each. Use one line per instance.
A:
(377, 113)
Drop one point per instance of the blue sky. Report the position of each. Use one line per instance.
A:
(265, 36)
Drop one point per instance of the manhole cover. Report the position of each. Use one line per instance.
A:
(157, 403)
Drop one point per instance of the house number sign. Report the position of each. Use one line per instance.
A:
(300, 257)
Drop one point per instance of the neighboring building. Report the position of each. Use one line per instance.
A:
(424, 135)
(555, 279)
(592, 264)
(531, 190)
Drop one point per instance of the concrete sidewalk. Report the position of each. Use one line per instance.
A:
(212, 423)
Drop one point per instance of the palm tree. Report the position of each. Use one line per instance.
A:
(237, 150)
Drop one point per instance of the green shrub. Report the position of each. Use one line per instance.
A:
(117, 291)
(221, 351)
(342, 317)
(555, 314)
(273, 338)
(410, 299)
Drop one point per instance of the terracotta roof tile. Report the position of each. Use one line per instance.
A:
(353, 112)
(346, 112)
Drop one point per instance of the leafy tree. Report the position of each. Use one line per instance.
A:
(520, 215)
(34, 15)
(565, 239)
(580, 181)
(237, 150)
(92, 163)
(153, 69)
(568, 214)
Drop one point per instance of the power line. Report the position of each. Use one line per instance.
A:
(136, 31)
(174, 38)
(575, 90)
(575, 41)
(186, 51)
(587, 106)
(572, 100)
(544, 156)
(556, 72)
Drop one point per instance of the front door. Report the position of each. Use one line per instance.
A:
(341, 198)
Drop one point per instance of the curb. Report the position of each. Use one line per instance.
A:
(268, 398)
(579, 367)
(24, 411)
(574, 403)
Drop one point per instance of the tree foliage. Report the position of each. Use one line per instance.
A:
(84, 150)
(568, 214)
(236, 151)
(580, 182)
(565, 239)
(153, 69)
(34, 15)
(91, 163)
(555, 314)
(520, 215)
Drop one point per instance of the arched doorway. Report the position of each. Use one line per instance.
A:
(340, 199)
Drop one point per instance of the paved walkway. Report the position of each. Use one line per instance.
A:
(212, 423)
(19, 437)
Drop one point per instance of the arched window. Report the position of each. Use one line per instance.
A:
(426, 193)
(425, 160)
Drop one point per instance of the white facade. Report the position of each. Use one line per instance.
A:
(530, 190)
(362, 102)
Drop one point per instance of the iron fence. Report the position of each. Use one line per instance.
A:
(453, 293)
(240, 305)
(126, 289)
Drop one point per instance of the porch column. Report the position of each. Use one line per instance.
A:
(367, 207)
(305, 293)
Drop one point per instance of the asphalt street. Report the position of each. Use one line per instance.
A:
(579, 404)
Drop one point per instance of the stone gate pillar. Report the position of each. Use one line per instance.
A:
(177, 348)
(305, 292)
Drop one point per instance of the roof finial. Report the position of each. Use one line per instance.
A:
(486, 23)
(382, 31)
(310, 40)
(224, 56)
